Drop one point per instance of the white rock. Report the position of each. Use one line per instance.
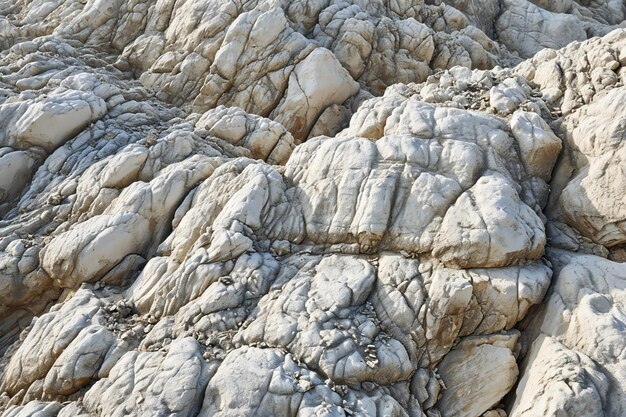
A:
(152, 382)
(547, 29)
(16, 169)
(274, 389)
(312, 208)
(51, 334)
(308, 96)
(539, 146)
(51, 122)
(489, 226)
(491, 363)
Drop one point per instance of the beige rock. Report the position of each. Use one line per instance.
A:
(279, 384)
(266, 139)
(81, 361)
(150, 382)
(559, 381)
(489, 226)
(549, 29)
(339, 286)
(51, 122)
(51, 334)
(34, 408)
(92, 248)
(306, 92)
(592, 201)
(539, 146)
(16, 169)
(311, 208)
(574, 364)
(491, 362)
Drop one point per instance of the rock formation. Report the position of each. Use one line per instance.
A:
(312, 208)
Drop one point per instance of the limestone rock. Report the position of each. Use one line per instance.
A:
(568, 382)
(576, 356)
(340, 286)
(50, 123)
(279, 387)
(48, 339)
(34, 408)
(266, 139)
(312, 208)
(590, 201)
(143, 383)
(491, 361)
(496, 235)
(527, 28)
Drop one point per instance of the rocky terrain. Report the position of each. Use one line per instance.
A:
(307, 208)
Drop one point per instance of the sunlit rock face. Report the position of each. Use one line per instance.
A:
(312, 208)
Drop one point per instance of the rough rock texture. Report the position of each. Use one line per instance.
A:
(312, 208)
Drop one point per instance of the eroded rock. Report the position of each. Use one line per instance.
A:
(311, 208)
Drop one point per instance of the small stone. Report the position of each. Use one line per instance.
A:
(368, 386)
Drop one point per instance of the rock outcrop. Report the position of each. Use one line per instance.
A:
(312, 208)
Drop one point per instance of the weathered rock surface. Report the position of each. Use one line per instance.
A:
(312, 208)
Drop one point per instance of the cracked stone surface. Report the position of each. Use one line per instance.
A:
(312, 208)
